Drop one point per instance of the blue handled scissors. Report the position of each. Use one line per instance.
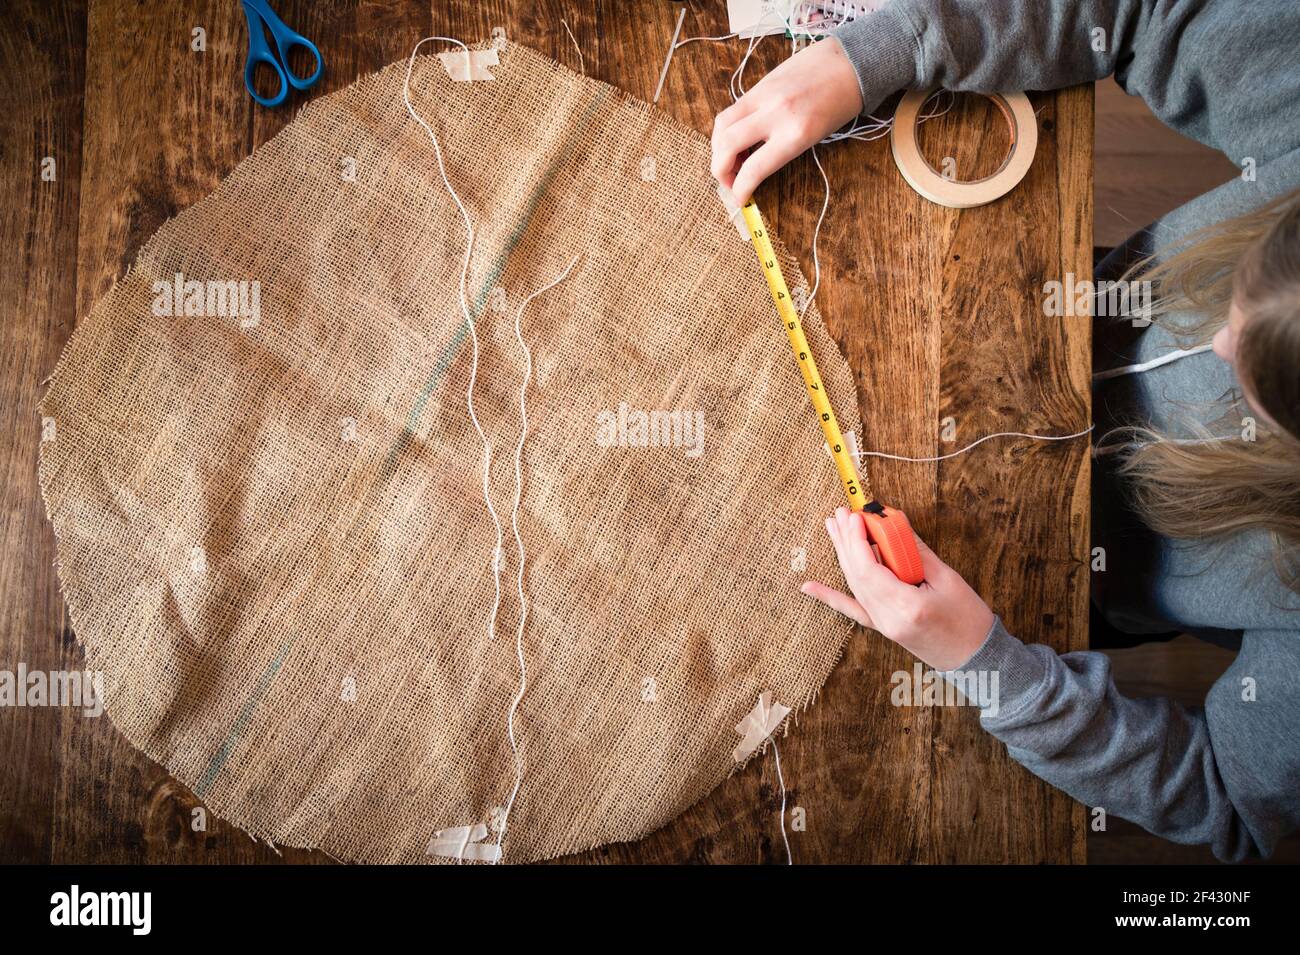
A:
(260, 18)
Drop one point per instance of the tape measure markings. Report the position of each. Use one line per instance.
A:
(855, 486)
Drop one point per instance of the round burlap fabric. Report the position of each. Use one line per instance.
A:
(271, 531)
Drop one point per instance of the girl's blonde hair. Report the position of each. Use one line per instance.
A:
(1214, 488)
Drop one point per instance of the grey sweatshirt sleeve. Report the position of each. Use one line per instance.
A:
(1224, 72)
(1227, 775)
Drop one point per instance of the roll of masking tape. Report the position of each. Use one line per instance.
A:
(926, 180)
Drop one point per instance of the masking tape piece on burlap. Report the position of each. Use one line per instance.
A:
(465, 66)
(759, 723)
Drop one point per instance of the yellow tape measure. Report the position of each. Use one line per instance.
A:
(855, 487)
(887, 527)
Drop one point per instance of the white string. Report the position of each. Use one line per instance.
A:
(834, 8)
(519, 545)
(789, 859)
(1164, 359)
(582, 63)
(469, 321)
(817, 265)
(737, 84)
(487, 445)
(987, 437)
(693, 39)
(672, 48)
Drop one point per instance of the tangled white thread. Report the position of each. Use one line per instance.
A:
(789, 858)
(1175, 355)
(519, 545)
(469, 322)
(975, 443)
(483, 438)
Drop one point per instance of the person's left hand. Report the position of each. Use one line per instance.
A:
(813, 93)
(942, 621)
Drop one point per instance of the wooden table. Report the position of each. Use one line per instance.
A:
(939, 313)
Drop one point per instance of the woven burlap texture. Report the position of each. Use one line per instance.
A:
(271, 532)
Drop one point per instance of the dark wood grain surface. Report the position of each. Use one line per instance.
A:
(938, 312)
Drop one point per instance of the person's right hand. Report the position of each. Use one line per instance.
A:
(943, 621)
(813, 93)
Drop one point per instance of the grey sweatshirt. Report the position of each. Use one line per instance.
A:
(1227, 73)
